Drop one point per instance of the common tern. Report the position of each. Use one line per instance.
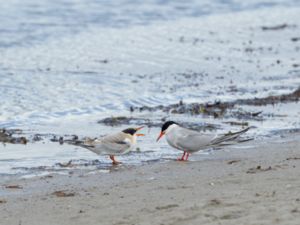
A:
(114, 144)
(190, 141)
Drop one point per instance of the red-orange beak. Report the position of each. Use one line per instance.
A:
(139, 128)
(159, 137)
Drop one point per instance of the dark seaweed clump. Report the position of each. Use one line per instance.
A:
(7, 136)
(277, 27)
(219, 109)
(118, 121)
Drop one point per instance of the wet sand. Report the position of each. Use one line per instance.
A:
(258, 184)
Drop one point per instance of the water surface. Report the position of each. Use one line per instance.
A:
(66, 64)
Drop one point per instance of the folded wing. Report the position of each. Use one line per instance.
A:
(194, 141)
(113, 144)
(190, 140)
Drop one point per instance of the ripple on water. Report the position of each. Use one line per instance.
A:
(64, 66)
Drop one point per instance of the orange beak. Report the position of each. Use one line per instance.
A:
(139, 128)
(159, 137)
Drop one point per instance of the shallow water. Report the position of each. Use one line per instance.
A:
(64, 65)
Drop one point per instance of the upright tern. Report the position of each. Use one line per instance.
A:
(190, 141)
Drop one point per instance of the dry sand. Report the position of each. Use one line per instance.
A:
(256, 185)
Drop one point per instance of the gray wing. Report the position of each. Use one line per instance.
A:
(116, 142)
(229, 137)
(190, 140)
(113, 144)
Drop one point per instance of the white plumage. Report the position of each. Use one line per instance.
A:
(190, 141)
(113, 144)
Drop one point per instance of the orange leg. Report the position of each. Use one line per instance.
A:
(182, 158)
(114, 162)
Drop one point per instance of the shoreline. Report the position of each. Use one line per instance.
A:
(251, 185)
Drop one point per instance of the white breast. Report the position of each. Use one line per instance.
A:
(172, 136)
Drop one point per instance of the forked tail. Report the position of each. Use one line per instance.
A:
(227, 139)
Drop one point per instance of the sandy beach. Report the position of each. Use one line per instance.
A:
(257, 184)
(76, 71)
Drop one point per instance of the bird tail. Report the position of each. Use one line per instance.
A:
(85, 146)
(87, 143)
(230, 138)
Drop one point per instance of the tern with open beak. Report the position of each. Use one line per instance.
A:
(114, 144)
(190, 141)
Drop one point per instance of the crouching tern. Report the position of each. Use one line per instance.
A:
(190, 141)
(113, 144)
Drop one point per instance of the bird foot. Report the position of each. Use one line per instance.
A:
(180, 159)
(116, 162)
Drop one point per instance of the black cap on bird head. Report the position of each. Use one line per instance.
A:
(164, 128)
(132, 131)
(166, 125)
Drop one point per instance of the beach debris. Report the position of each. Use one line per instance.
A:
(295, 210)
(214, 202)
(232, 215)
(20, 140)
(68, 164)
(293, 158)
(217, 109)
(295, 39)
(277, 27)
(233, 161)
(236, 123)
(295, 65)
(13, 136)
(166, 207)
(79, 163)
(63, 193)
(104, 61)
(266, 194)
(14, 186)
(115, 121)
(271, 100)
(60, 139)
(121, 120)
(158, 123)
(259, 169)
(256, 113)
(71, 139)
(6, 136)
(37, 137)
